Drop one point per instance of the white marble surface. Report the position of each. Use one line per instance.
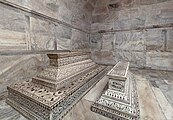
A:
(155, 96)
(149, 47)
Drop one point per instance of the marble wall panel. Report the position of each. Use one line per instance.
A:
(12, 40)
(68, 38)
(155, 39)
(105, 18)
(130, 18)
(143, 15)
(158, 14)
(107, 42)
(122, 24)
(137, 23)
(166, 15)
(42, 34)
(80, 40)
(102, 42)
(13, 27)
(102, 26)
(138, 17)
(124, 14)
(96, 41)
(130, 40)
(64, 13)
(159, 60)
(130, 43)
(81, 16)
(170, 40)
(73, 12)
(137, 47)
(6, 62)
(12, 19)
(63, 37)
(46, 7)
(103, 57)
(99, 18)
(136, 59)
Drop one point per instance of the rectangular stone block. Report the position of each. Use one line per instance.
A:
(107, 42)
(169, 45)
(60, 59)
(136, 59)
(119, 71)
(63, 37)
(95, 27)
(13, 29)
(104, 57)
(159, 60)
(12, 40)
(80, 40)
(118, 76)
(130, 40)
(155, 40)
(42, 34)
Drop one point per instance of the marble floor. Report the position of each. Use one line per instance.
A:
(155, 92)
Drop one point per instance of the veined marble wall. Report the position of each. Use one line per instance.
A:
(39, 25)
(45, 25)
(138, 31)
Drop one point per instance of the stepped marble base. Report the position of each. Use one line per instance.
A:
(56, 89)
(37, 102)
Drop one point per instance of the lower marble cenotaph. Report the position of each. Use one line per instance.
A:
(55, 90)
(118, 100)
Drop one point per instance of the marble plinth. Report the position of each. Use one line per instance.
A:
(55, 90)
(61, 59)
(56, 78)
(119, 99)
(118, 77)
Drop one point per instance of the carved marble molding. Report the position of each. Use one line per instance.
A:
(119, 101)
(119, 71)
(38, 100)
(67, 58)
(56, 78)
(41, 105)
